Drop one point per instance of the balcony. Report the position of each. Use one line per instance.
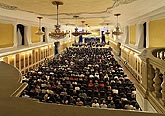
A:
(148, 70)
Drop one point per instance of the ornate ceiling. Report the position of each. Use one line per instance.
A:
(94, 12)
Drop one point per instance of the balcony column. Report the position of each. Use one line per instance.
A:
(15, 36)
(157, 84)
(163, 88)
(158, 54)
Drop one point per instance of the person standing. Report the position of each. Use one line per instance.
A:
(119, 51)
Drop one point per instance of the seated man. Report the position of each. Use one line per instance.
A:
(95, 104)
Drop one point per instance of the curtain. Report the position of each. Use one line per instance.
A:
(145, 34)
(20, 33)
(44, 39)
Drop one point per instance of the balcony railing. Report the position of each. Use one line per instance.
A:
(156, 76)
(148, 68)
(159, 53)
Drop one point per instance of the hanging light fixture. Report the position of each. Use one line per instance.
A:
(107, 32)
(117, 29)
(57, 34)
(83, 32)
(39, 32)
(67, 32)
(76, 33)
(87, 32)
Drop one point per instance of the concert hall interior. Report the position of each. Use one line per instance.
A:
(82, 57)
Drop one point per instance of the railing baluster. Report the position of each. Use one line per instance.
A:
(150, 78)
(157, 84)
(163, 88)
(163, 57)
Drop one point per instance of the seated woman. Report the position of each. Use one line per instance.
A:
(103, 104)
(90, 84)
(79, 102)
(101, 84)
(64, 92)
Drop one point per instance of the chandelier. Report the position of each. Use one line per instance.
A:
(107, 32)
(57, 34)
(67, 32)
(87, 33)
(76, 33)
(117, 29)
(39, 32)
(84, 32)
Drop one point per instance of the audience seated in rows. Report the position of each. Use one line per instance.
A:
(84, 77)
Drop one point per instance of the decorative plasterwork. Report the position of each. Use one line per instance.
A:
(8, 7)
(97, 9)
(119, 2)
(71, 7)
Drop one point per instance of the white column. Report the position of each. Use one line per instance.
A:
(35, 60)
(28, 60)
(27, 35)
(147, 34)
(23, 63)
(20, 61)
(15, 36)
(14, 60)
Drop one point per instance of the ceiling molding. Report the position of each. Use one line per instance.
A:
(80, 13)
(158, 13)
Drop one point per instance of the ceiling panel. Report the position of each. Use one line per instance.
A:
(69, 6)
(94, 12)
